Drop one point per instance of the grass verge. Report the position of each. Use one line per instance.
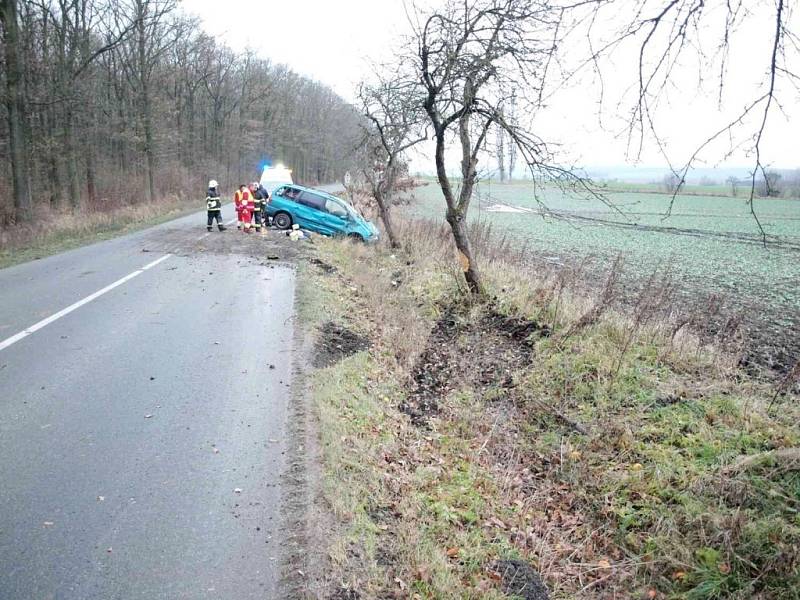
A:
(53, 233)
(482, 450)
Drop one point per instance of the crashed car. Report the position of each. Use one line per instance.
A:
(318, 211)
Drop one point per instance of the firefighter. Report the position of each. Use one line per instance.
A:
(257, 206)
(214, 206)
(237, 200)
(263, 195)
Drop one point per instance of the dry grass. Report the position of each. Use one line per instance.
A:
(605, 463)
(54, 231)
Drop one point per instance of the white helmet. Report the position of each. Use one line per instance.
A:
(213, 183)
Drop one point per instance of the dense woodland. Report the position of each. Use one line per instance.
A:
(109, 102)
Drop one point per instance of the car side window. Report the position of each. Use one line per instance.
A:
(312, 200)
(335, 209)
(292, 193)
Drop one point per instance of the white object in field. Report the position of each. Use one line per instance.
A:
(507, 208)
(274, 177)
(347, 179)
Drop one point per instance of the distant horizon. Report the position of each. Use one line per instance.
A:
(639, 173)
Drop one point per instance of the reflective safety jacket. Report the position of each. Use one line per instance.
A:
(247, 201)
(213, 201)
(237, 199)
(262, 199)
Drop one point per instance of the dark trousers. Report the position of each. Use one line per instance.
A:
(257, 219)
(215, 214)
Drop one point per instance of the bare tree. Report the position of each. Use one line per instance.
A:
(672, 183)
(151, 41)
(500, 152)
(667, 37)
(394, 125)
(734, 183)
(472, 58)
(18, 143)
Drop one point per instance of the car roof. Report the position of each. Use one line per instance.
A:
(303, 188)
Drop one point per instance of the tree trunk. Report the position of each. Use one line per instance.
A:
(52, 158)
(501, 155)
(15, 104)
(149, 150)
(383, 209)
(144, 72)
(72, 159)
(458, 226)
(91, 182)
(456, 220)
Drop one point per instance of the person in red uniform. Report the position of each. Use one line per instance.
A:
(247, 208)
(237, 200)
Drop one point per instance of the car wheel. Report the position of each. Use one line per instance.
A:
(282, 220)
(355, 237)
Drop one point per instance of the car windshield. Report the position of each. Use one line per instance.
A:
(350, 210)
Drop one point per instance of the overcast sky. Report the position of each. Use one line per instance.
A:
(333, 42)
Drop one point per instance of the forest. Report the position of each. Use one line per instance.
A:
(110, 103)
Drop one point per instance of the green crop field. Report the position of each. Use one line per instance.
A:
(711, 245)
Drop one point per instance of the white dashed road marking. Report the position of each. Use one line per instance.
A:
(62, 313)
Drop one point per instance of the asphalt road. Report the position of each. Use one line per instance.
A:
(142, 429)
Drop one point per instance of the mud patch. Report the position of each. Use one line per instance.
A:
(519, 579)
(323, 266)
(336, 343)
(479, 351)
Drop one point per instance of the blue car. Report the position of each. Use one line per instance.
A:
(318, 211)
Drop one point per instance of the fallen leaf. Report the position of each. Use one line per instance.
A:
(604, 564)
(452, 552)
(724, 568)
(495, 522)
(652, 594)
(494, 576)
(400, 582)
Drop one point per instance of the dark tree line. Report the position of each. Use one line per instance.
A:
(108, 102)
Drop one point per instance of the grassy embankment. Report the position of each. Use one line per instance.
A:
(52, 233)
(610, 454)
